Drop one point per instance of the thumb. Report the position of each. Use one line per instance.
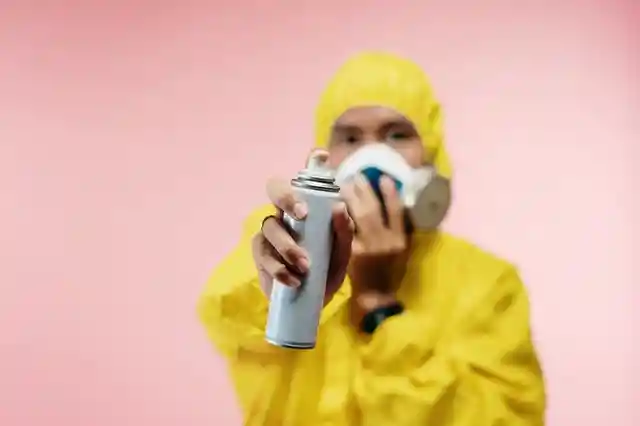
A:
(319, 153)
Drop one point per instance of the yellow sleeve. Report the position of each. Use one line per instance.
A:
(483, 370)
(232, 307)
(233, 310)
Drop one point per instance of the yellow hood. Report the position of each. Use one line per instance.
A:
(383, 79)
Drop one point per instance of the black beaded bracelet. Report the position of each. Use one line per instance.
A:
(373, 319)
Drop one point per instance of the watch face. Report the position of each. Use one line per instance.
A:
(374, 318)
(432, 204)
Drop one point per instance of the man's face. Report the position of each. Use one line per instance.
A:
(364, 125)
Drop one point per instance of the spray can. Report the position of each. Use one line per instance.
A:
(294, 313)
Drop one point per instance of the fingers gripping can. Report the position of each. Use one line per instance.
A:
(294, 313)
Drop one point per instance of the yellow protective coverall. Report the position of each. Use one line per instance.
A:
(460, 355)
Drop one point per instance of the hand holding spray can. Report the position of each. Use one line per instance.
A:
(294, 313)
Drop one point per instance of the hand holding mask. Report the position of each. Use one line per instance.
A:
(384, 193)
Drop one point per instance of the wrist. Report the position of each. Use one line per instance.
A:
(374, 283)
(374, 318)
(365, 302)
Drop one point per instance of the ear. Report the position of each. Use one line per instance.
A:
(427, 157)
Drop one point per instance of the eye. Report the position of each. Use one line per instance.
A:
(396, 136)
(351, 139)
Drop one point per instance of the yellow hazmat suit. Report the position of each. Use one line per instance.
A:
(461, 353)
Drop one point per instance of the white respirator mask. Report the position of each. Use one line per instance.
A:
(425, 194)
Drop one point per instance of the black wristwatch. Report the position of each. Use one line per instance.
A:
(372, 320)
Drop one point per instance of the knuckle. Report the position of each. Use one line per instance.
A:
(390, 192)
(288, 250)
(397, 246)
(395, 206)
(359, 216)
(365, 215)
(281, 274)
(263, 268)
(282, 242)
(272, 266)
(381, 247)
(257, 246)
(283, 199)
(271, 229)
(369, 212)
(279, 191)
(256, 242)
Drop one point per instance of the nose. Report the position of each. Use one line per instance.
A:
(370, 139)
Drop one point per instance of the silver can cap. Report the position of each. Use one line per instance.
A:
(316, 174)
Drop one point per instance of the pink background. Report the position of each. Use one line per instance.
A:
(135, 135)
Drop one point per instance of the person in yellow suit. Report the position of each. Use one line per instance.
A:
(459, 354)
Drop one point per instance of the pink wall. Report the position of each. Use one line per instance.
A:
(121, 124)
